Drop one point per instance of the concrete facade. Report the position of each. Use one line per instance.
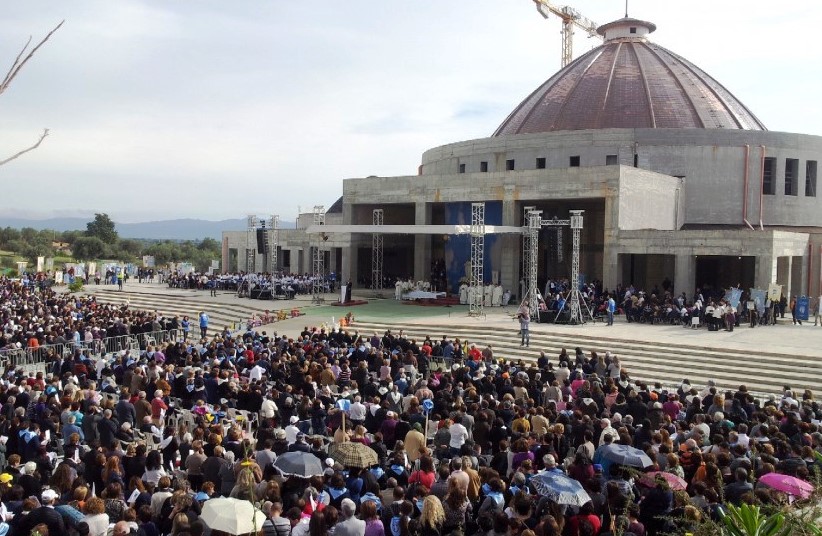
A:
(728, 203)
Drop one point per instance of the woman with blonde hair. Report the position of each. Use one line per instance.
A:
(244, 485)
(180, 524)
(432, 518)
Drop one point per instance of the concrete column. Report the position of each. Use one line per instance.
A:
(332, 261)
(685, 275)
(511, 244)
(799, 275)
(224, 255)
(766, 270)
(610, 271)
(783, 273)
(348, 270)
(422, 243)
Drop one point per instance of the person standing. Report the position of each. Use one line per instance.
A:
(793, 312)
(818, 312)
(611, 309)
(203, 325)
(524, 316)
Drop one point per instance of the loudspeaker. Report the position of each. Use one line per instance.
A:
(261, 245)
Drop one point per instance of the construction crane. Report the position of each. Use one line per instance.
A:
(570, 17)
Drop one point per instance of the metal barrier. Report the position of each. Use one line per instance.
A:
(35, 359)
(153, 338)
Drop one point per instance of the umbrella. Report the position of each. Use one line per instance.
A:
(302, 464)
(351, 454)
(788, 484)
(560, 488)
(676, 483)
(626, 455)
(233, 516)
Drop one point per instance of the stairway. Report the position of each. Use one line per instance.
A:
(760, 371)
(221, 314)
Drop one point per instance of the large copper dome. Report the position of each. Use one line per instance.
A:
(629, 82)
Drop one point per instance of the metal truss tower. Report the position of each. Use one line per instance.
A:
(526, 253)
(579, 310)
(251, 245)
(376, 253)
(318, 259)
(273, 243)
(475, 290)
(534, 225)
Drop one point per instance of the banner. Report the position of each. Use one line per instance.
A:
(774, 292)
(148, 261)
(802, 310)
(50, 264)
(92, 268)
(732, 296)
(759, 296)
(41, 264)
(21, 267)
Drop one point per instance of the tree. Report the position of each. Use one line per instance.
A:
(130, 247)
(87, 248)
(21, 59)
(103, 228)
(209, 244)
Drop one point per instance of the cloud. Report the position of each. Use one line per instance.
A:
(214, 109)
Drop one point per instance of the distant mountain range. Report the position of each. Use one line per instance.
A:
(182, 229)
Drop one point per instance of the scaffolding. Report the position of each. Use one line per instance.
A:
(475, 290)
(526, 253)
(532, 234)
(376, 253)
(251, 245)
(579, 311)
(273, 243)
(318, 258)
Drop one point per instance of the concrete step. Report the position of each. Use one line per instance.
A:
(762, 372)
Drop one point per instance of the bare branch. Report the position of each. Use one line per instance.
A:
(16, 62)
(17, 65)
(24, 151)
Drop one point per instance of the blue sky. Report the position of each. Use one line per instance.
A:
(216, 109)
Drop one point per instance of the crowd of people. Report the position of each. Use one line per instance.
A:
(712, 308)
(135, 442)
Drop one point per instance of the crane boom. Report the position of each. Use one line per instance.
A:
(570, 17)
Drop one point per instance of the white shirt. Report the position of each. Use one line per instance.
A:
(291, 432)
(256, 373)
(459, 434)
(356, 412)
(268, 409)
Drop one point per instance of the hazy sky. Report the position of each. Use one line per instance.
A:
(219, 108)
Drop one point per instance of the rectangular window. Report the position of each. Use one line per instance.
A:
(611, 160)
(484, 167)
(768, 174)
(633, 29)
(540, 163)
(462, 168)
(509, 165)
(574, 161)
(791, 176)
(810, 178)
